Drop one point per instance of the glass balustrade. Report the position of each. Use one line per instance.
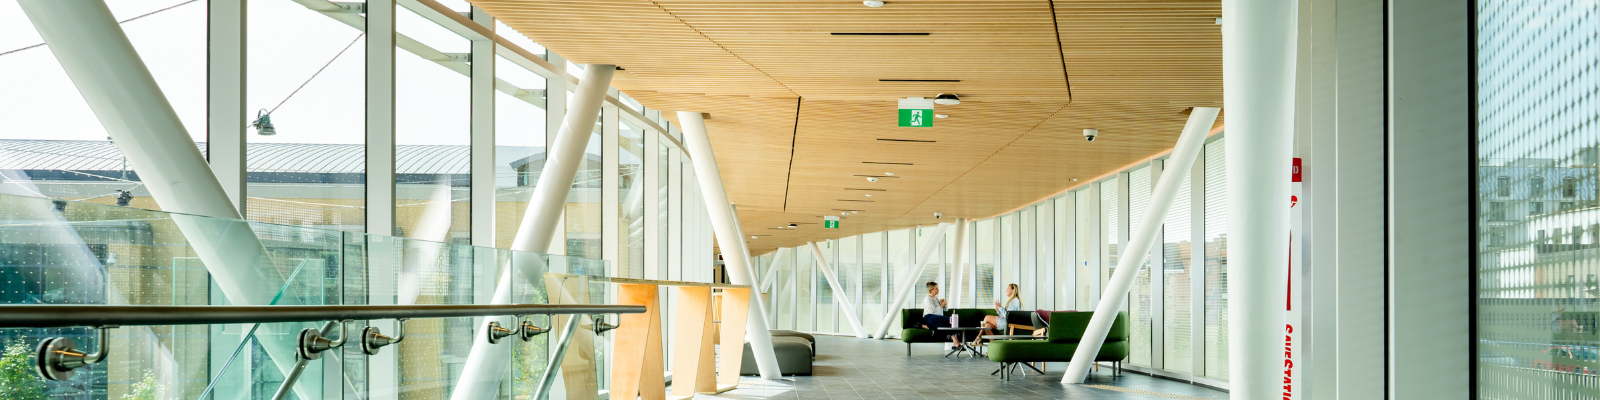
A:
(60, 252)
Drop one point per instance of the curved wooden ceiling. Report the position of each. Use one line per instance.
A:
(796, 112)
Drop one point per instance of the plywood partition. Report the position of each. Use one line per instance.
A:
(578, 366)
(735, 312)
(693, 366)
(637, 368)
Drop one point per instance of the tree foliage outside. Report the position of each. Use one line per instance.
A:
(17, 380)
(147, 389)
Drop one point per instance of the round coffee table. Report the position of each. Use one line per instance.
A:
(964, 346)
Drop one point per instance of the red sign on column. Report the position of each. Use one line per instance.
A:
(1296, 171)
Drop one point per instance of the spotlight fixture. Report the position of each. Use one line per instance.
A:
(869, 194)
(263, 124)
(947, 99)
(753, 237)
(793, 226)
(888, 174)
(853, 211)
(872, 3)
(872, 179)
(941, 116)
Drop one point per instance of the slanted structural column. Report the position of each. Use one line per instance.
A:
(960, 263)
(1139, 244)
(1258, 77)
(480, 378)
(725, 226)
(908, 282)
(844, 300)
(95, 53)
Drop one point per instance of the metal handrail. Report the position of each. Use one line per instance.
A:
(61, 316)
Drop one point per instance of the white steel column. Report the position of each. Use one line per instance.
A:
(909, 280)
(1258, 61)
(380, 116)
(95, 53)
(725, 227)
(1105, 313)
(843, 297)
(482, 187)
(758, 300)
(772, 271)
(611, 229)
(960, 261)
(225, 95)
(486, 364)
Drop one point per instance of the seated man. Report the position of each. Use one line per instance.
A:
(933, 313)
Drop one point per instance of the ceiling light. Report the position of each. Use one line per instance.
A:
(888, 173)
(872, 179)
(853, 212)
(844, 213)
(873, 3)
(792, 226)
(947, 99)
(941, 116)
(753, 237)
(869, 194)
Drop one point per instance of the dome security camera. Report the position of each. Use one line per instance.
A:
(938, 215)
(1090, 133)
(872, 179)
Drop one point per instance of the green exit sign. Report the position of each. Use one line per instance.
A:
(830, 222)
(916, 112)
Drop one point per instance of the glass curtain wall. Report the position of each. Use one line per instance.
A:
(1216, 252)
(519, 146)
(1139, 314)
(433, 134)
(1538, 274)
(631, 198)
(1059, 251)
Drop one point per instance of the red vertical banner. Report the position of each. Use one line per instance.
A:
(1291, 318)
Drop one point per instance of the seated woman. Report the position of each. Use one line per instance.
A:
(996, 322)
(933, 313)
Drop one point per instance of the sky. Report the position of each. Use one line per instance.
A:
(287, 45)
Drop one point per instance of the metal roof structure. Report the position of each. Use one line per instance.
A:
(94, 155)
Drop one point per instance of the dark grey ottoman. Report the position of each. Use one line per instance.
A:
(811, 339)
(794, 356)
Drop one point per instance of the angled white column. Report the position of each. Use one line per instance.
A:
(1139, 243)
(759, 301)
(726, 227)
(909, 280)
(1258, 74)
(960, 261)
(95, 53)
(772, 272)
(840, 294)
(486, 363)
(225, 97)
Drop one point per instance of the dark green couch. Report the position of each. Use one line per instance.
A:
(911, 325)
(1065, 332)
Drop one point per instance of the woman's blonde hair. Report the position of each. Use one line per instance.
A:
(1016, 293)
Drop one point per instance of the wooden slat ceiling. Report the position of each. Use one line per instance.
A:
(796, 113)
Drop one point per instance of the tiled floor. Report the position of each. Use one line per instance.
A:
(850, 368)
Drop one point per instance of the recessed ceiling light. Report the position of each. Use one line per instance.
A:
(853, 212)
(792, 226)
(941, 116)
(947, 99)
(869, 194)
(873, 3)
(754, 237)
(889, 173)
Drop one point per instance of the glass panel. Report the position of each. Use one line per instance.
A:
(519, 145)
(311, 173)
(805, 311)
(583, 203)
(825, 304)
(630, 190)
(1537, 274)
(1177, 254)
(1044, 253)
(1066, 264)
(848, 269)
(872, 280)
(663, 229)
(1010, 263)
(983, 284)
(1110, 235)
(53, 143)
(1216, 252)
(433, 135)
(1139, 309)
(783, 290)
(1089, 232)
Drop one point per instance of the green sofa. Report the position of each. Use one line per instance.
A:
(1064, 334)
(911, 325)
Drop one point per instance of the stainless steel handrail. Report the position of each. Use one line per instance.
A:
(60, 316)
